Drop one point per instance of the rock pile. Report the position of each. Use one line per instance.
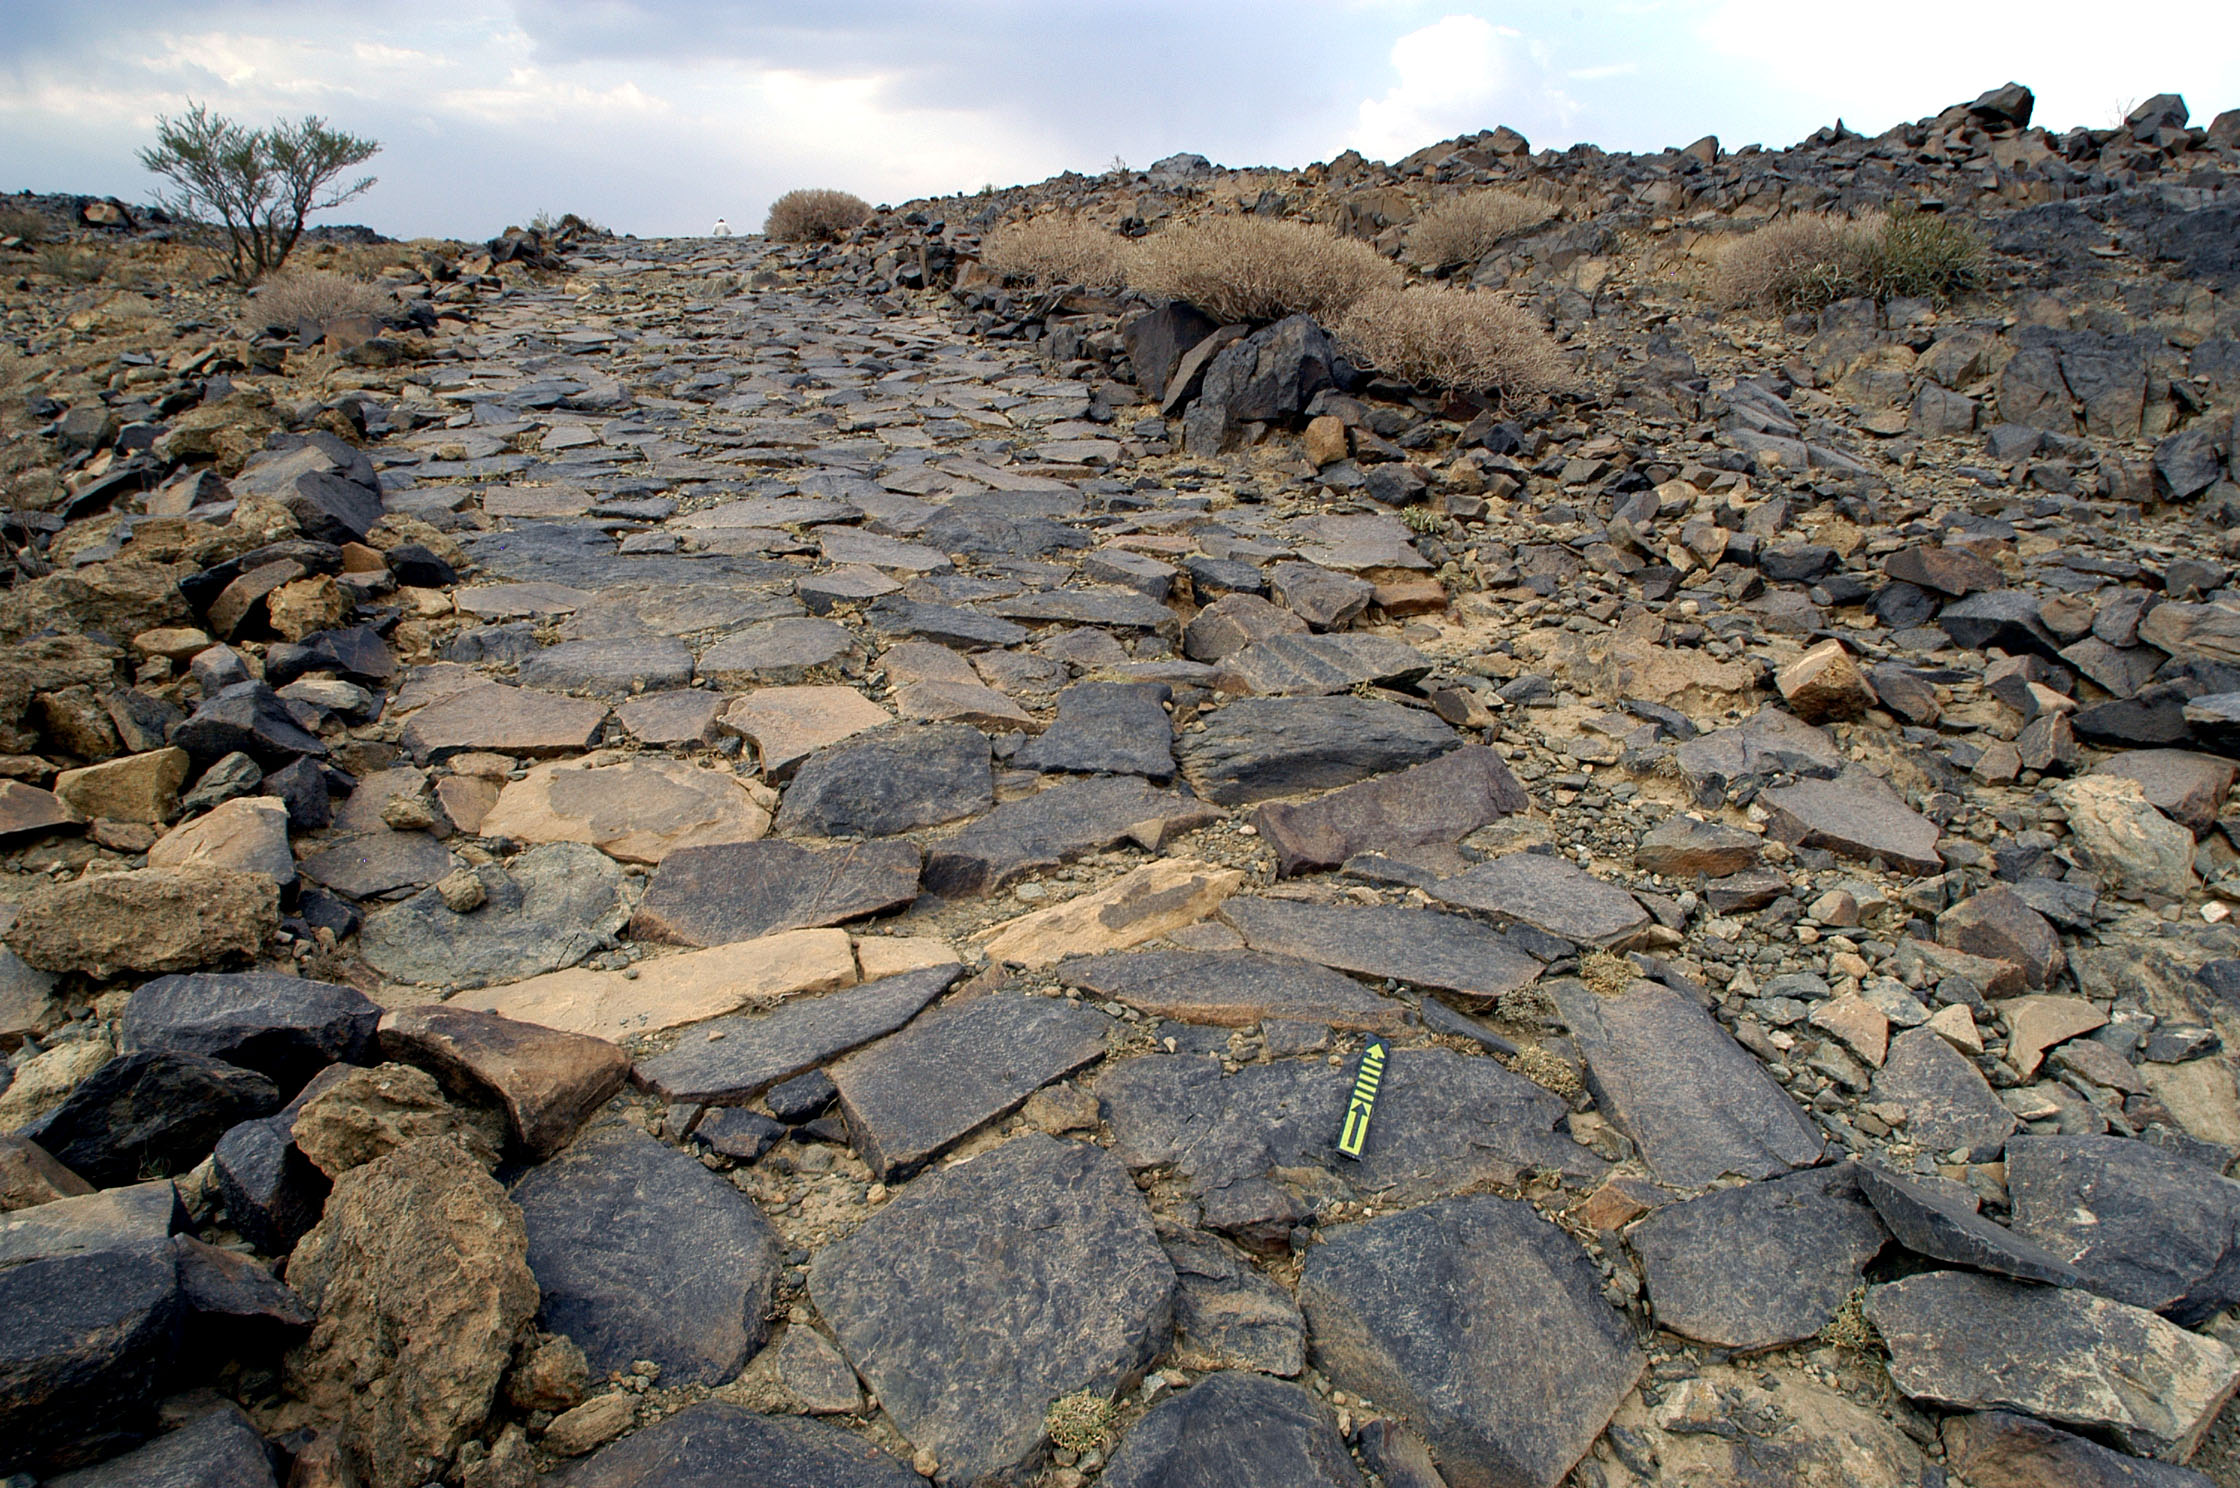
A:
(725, 863)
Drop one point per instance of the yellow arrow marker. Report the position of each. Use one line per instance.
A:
(1363, 1103)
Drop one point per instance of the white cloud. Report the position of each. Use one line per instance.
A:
(1450, 75)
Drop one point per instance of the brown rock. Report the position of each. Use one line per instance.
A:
(296, 610)
(29, 1176)
(1409, 594)
(242, 599)
(509, 720)
(360, 1115)
(1857, 816)
(248, 834)
(1859, 1023)
(1428, 806)
(2036, 1024)
(1825, 684)
(466, 800)
(1953, 571)
(548, 1082)
(1997, 924)
(151, 920)
(592, 1424)
(1999, 1449)
(1154, 900)
(420, 1278)
(675, 990)
(973, 702)
(26, 810)
(551, 1376)
(136, 788)
(2187, 787)
(638, 808)
(1233, 622)
(1326, 440)
(1680, 846)
(788, 724)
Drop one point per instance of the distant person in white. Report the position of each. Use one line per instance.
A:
(722, 229)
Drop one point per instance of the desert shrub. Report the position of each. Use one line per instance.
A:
(815, 216)
(1460, 340)
(318, 296)
(1463, 229)
(24, 223)
(72, 265)
(1807, 262)
(1057, 250)
(1257, 269)
(259, 184)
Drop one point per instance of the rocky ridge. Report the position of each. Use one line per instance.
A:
(798, 847)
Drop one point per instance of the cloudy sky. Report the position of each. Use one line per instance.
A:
(656, 116)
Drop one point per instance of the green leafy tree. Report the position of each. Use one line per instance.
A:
(258, 184)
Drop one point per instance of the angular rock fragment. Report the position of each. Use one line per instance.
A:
(1428, 806)
(713, 895)
(1450, 952)
(87, 1338)
(218, 1449)
(716, 1442)
(1234, 989)
(1154, 900)
(547, 909)
(146, 920)
(1053, 826)
(1256, 748)
(675, 989)
(1856, 816)
(150, 1113)
(1117, 728)
(1235, 1428)
(1042, 1253)
(1948, 1105)
(735, 1059)
(547, 1082)
(2143, 1224)
(1932, 1223)
(889, 780)
(638, 809)
(1999, 1449)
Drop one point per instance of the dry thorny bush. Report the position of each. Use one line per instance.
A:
(318, 295)
(1462, 340)
(1058, 249)
(1812, 260)
(1255, 269)
(818, 215)
(1463, 229)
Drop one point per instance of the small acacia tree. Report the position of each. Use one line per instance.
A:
(259, 184)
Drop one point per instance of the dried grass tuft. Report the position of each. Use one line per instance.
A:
(25, 223)
(1459, 340)
(318, 295)
(1810, 261)
(1463, 229)
(1058, 249)
(815, 215)
(1253, 270)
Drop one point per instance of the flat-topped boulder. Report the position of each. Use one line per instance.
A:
(503, 720)
(636, 808)
(889, 780)
(1255, 748)
(674, 990)
(1452, 953)
(548, 909)
(1416, 814)
(788, 724)
(1855, 816)
(703, 896)
(1550, 895)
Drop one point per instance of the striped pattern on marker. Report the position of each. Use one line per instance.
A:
(1363, 1103)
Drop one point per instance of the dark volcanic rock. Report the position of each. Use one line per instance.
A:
(1999, 1449)
(611, 668)
(547, 1082)
(1054, 826)
(1423, 946)
(1431, 805)
(716, 1444)
(151, 1112)
(218, 1449)
(619, 1208)
(889, 780)
(735, 1059)
(1479, 1323)
(1445, 1123)
(1238, 1430)
(1314, 664)
(1973, 1342)
(1949, 1106)
(546, 910)
(1255, 748)
(86, 1340)
(704, 896)
(1548, 894)
(1932, 1223)
(1227, 1315)
(913, 1093)
(986, 1291)
(1235, 989)
(246, 718)
(273, 1193)
(1760, 1265)
(1857, 816)
(1118, 728)
(1698, 1105)
(2145, 1225)
(285, 1028)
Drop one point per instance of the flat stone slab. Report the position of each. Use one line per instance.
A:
(1856, 816)
(663, 719)
(850, 545)
(715, 1443)
(730, 1060)
(218, 1449)
(639, 808)
(1054, 826)
(1426, 807)
(520, 601)
(1042, 1254)
(1970, 1342)
(776, 651)
(366, 865)
(1760, 1265)
(1932, 1222)
(951, 625)
(1698, 1105)
(1998, 1449)
(702, 896)
(1118, 728)
(611, 668)
(1550, 895)
(1313, 665)
(547, 1082)
(2144, 1225)
(502, 720)
(285, 1028)
(1100, 606)
(769, 511)
(1452, 953)
(1227, 1315)
(549, 909)
(1256, 748)
(1949, 1106)
(1770, 743)
(1161, 897)
(953, 1071)
(788, 724)
(2183, 785)
(890, 780)
(618, 1209)
(1240, 1429)
(1234, 989)
(675, 990)
(1487, 1320)
(1445, 1122)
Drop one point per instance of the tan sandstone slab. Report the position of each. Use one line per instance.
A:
(636, 808)
(247, 833)
(788, 724)
(675, 990)
(1152, 901)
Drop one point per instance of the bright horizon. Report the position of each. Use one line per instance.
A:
(655, 117)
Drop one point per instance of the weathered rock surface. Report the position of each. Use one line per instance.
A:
(1042, 1255)
(705, 896)
(546, 910)
(1053, 826)
(1949, 1106)
(547, 1082)
(1235, 989)
(1154, 900)
(1242, 1429)
(1428, 806)
(675, 989)
(218, 1449)
(637, 810)
(2142, 1225)
(1256, 748)
(146, 920)
(285, 1028)
(152, 1113)
(889, 780)
(1548, 894)
(735, 1059)
(714, 1443)
(1422, 946)
(1999, 1449)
